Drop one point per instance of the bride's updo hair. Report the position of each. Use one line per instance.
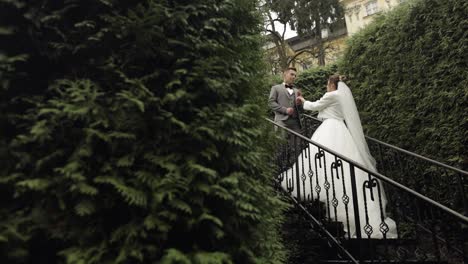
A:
(334, 79)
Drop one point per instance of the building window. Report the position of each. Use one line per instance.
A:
(372, 7)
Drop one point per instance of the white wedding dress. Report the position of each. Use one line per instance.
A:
(347, 139)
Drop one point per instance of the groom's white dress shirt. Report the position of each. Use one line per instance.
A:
(290, 90)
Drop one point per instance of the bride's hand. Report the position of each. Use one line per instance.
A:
(300, 100)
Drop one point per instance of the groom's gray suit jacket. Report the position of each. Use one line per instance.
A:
(280, 99)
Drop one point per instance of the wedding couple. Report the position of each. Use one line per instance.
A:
(340, 131)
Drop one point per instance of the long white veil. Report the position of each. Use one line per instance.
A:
(353, 122)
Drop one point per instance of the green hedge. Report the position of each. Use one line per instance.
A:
(131, 134)
(313, 82)
(408, 72)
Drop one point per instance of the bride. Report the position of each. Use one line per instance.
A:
(341, 131)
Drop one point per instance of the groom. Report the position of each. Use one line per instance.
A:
(282, 101)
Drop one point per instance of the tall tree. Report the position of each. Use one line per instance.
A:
(311, 17)
(273, 20)
(308, 18)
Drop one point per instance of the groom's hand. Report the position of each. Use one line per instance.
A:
(290, 111)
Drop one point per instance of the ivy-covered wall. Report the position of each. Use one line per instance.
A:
(408, 72)
(131, 134)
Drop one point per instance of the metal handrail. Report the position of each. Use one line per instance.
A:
(326, 232)
(384, 178)
(465, 173)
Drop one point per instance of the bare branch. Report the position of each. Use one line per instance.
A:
(272, 23)
(284, 30)
(299, 53)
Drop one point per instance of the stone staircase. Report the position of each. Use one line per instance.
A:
(308, 244)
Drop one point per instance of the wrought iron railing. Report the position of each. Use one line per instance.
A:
(443, 183)
(354, 217)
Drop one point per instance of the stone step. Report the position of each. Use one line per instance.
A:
(383, 261)
(378, 242)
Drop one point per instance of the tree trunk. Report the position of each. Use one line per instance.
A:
(318, 37)
(281, 50)
(321, 53)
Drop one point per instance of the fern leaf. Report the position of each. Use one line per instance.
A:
(34, 184)
(125, 161)
(40, 130)
(221, 192)
(197, 168)
(85, 208)
(211, 218)
(131, 195)
(212, 258)
(130, 97)
(181, 205)
(173, 255)
(10, 178)
(84, 189)
(147, 177)
(122, 135)
(97, 133)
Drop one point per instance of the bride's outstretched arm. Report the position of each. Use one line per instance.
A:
(326, 100)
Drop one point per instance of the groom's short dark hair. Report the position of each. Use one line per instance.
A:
(289, 68)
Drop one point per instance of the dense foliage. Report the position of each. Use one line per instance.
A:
(130, 134)
(408, 72)
(313, 82)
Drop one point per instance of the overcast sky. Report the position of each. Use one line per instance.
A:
(279, 27)
(289, 33)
